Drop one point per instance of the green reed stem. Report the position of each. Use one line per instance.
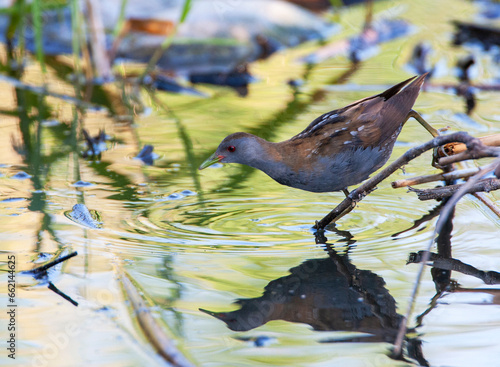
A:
(75, 35)
(121, 19)
(168, 40)
(36, 13)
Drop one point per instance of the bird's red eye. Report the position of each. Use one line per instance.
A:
(231, 148)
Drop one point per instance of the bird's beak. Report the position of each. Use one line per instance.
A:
(211, 160)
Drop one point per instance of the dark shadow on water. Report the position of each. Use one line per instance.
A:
(329, 294)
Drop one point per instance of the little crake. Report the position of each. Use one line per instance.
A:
(339, 149)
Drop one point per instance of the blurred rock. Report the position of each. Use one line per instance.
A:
(217, 35)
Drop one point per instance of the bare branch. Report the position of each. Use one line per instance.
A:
(455, 148)
(473, 144)
(486, 185)
(486, 201)
(437, 177)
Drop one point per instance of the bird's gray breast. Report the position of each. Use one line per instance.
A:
(326, 174)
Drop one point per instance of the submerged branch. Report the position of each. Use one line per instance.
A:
(153, 331)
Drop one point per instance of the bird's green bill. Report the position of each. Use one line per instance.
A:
(211, 160)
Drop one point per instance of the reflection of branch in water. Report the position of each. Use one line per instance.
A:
(442, 277)
(433, 213)
(41, 273)
(54, 289)
(320, 238)
(440, 262)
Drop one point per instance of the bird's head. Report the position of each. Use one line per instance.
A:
(236, 148)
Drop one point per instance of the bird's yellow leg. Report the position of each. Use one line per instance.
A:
(422, 122)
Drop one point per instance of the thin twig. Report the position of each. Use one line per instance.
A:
(488, 277)
(437, 177)
(447, 210)
(486, 185)
(487, 201)
(44, 268)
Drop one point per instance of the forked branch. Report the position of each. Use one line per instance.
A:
(475, 149)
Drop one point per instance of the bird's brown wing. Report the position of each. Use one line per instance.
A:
(364, 123)
(339, 115)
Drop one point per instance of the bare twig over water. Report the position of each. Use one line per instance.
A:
(44, 268)
(476, 148)
(437, 177)
(486, 201)
(486, 185)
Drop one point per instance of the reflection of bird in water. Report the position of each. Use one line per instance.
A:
(328, 294)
